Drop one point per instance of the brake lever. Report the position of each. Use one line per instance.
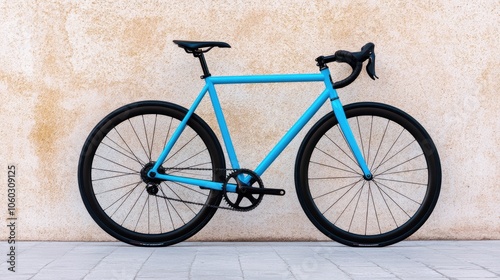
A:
(370, 67)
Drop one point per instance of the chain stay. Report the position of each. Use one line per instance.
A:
(198, 203)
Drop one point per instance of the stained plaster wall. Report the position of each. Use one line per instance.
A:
(65, 64)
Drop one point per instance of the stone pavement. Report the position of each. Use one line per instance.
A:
(253, 260)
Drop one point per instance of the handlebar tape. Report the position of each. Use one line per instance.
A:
(355, 60)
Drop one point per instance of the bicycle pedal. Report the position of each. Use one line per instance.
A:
(269, 191)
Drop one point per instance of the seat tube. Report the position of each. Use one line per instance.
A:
(221, 120)
(338, 110)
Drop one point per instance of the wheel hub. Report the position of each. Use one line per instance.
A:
(368, 178)
(145, 170)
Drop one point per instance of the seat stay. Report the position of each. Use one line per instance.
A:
(175, 136)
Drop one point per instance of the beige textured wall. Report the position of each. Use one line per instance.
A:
(65, 64)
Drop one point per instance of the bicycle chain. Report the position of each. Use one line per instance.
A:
(198, 203)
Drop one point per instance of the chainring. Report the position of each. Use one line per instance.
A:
(241, 200)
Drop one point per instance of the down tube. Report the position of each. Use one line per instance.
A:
(294, 130)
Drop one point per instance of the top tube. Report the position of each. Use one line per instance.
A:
(271, 78)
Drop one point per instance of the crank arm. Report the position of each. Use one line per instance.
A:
(269, 191)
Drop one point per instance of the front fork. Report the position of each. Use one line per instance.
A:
(338, 110)
(349, 137)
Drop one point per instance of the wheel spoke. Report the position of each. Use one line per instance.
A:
(387, 153)
(370, 139)
(122, 148)
(401, 194)
(336, 190)
(380, 144)
(342, 150)
(347, 206)
(133, 206)
(180, 149)
(158, 212)
(167, 203)
(392, 199)
(142, 211)
(334, 167)
(115, 176)
(399, 164)
(172, 205)
(122, 152)
(176, 195)
(118, 188)
(350, 187)
(189, 158)
(353, 170)
(356, 206)
(124, 197)
(385, 202)
(139, 139)
(148, 152)
(130, 150)
(375, 212)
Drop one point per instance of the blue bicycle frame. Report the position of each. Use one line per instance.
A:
(210, 82)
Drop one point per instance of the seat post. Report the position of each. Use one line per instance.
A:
(199, 54)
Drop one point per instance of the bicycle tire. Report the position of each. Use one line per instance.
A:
(121, 146)
(358, 212)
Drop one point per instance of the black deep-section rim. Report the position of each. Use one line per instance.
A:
(87, 192)
(401, 232)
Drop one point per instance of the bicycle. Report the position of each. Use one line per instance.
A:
(153, 173)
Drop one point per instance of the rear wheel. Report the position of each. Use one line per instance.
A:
(119, 195)
(345, 206)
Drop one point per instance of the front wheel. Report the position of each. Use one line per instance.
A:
(391, 206)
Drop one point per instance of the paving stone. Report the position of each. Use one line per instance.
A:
(255, 260)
